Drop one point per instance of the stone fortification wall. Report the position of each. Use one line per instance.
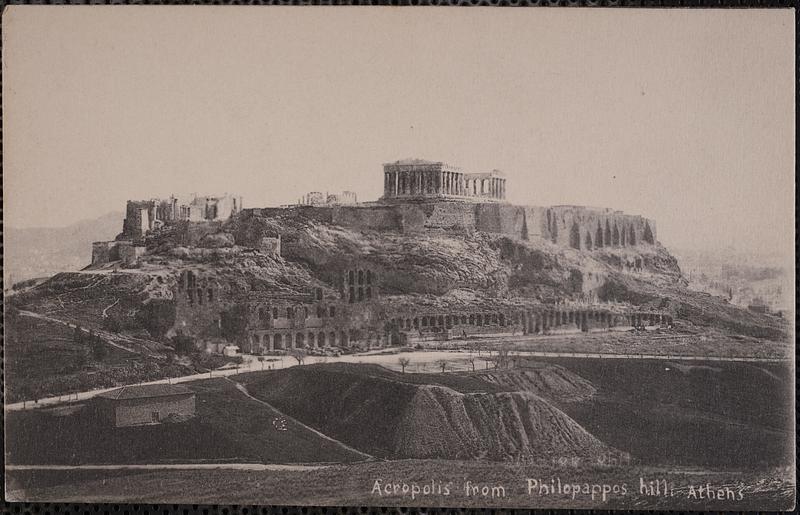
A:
(593, 228)
(579, 227)
(375, 218)
(460, 216)
(502, 219)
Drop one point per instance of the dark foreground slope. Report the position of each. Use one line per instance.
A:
(229, 427)
(701, 414)
(445, 416)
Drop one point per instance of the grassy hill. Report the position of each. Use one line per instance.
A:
(446, 416)
(229, 427)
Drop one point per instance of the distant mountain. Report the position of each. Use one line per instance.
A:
(44, 251)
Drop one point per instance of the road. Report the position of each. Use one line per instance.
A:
(110, 338)
(420, 361)
(242, 388)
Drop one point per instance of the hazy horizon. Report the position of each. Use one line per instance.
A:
(685, 117)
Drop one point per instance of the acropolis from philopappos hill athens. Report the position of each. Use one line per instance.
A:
(353, 300)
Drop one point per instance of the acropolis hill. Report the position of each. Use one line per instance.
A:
(440, 256)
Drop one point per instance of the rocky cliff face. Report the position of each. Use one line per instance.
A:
(436, 266)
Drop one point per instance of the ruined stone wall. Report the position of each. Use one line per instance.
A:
(129, 253)
(592, 228)
(579, 227)
(102, 252)
(270, 245)
(502, 219)
(459, 216)
(201, 302)
(376, 218)
(138, 219)
(281, 324)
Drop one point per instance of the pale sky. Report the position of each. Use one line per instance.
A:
(684, 116)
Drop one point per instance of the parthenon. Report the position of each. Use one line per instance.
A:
(418, 178)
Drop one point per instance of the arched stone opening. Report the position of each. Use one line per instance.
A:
(299, 340)
(588, 241)
(311, 340)
(615, 236)
(321, 339)
(277, 342)
(632, 237)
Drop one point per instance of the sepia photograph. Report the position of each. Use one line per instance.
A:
(399, 257)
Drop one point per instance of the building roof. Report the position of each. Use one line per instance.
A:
(414, 161)
(145, 391)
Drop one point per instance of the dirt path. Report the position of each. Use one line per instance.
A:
(243, 389)
(105, 310)
(106, 336)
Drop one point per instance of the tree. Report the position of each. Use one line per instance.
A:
(404, 362)
(182, 344)
(99, 350)
(648, 234)
(471, 361)
(575, 236)
(503, 354)
(298, 354)
(442, 363)
(77, 334)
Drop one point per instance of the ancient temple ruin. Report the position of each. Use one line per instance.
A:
(417, 178)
